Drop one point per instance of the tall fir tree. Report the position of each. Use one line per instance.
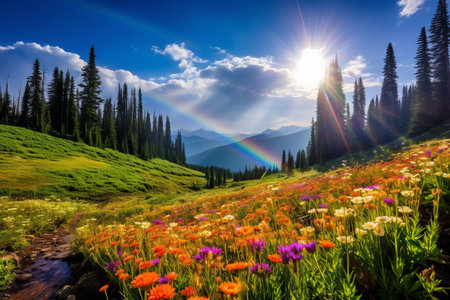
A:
(25, 109)
(331, 130)
(389, 104)
(6, 106)
(439, 40)
(90, 98)
(312, 151)
(283, 162)
(422, 107)
(37, 113)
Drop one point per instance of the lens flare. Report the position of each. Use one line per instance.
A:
(311, 68)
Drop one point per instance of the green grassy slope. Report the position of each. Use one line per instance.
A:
(37, 164)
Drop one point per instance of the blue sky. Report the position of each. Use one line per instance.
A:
(228, 65)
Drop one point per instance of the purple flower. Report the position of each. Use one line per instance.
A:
(262, 268)
(164, 280)
(119, 253)
(305, 198)
(285, 252)
(156, 261)
(202, 219)
(205, 251)
(157, 222)
(310, 247)
(113, 265)
(179, 220)
(389, 201)
(259, 245)
(428, 153)
(322, 205)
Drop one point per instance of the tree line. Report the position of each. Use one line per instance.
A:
(74, 112)
(337, 130)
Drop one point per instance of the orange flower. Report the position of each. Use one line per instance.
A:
(128, 258)
(119, 272)
(395, 191)
(188, 262)
(114, 244)
(137, 260)
(172, 275)
(104, 239)
(124, 276)
(274, 258)
(103, 288)
(145, 265)
(198, 298)
(187, 291)
(134, 244)
(230, 288)
(161, 292)
(136, 251)
(327, 244)
(145, 279)
(236, 266)
(159, 251)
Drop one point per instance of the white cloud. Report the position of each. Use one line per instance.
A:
(231, 90)
(354, 69)
(220, 50)
(409, 7)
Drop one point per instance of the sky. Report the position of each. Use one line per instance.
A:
(229, 66)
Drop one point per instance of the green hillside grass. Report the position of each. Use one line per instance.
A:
(34, 164)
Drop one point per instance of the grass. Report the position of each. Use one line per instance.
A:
(20, 219)
(34, 164)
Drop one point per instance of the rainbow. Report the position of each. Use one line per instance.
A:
(249, 149)
(257, 154)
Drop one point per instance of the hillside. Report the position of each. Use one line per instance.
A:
(33, 163)
(227, 157)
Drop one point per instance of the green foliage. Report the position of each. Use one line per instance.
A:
(6, 273)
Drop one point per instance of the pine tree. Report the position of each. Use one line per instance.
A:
(90, 97)
(6, 106)
(422, 113)
(297, 160)
(312, 155)
(283, 162)
(65, 104)
(160, 140)
(140, 124)
(37, 114)
(290, 163)
(168, 141)
(389, 104)
(25, 110)
(303, 161)
(439, 40)
(331, 132)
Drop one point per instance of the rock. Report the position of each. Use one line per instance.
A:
(87, 286)
(23, 277)
(71, 297)
(12, 256)
(64, 292)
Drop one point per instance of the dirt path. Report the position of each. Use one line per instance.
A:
(43, 265)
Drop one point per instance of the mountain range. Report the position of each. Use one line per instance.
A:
(205, 147)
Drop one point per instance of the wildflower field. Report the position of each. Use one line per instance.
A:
(22, 219)
(358, 232)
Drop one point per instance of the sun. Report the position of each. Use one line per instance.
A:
(310, 68)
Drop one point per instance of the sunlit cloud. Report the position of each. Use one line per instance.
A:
(356, 68)
(409, 7)
(240, 91)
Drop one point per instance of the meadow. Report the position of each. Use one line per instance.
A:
(365, 231)
(34, 164)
